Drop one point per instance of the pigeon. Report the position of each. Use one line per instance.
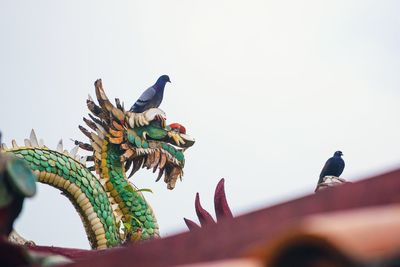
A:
(152, 97)
(333, 166)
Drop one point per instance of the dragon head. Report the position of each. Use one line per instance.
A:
(144, 139)
(152, 144)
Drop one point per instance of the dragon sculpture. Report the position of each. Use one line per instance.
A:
(113, 210)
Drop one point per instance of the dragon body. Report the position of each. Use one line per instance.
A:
(113, 210)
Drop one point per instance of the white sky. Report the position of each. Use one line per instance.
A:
(269, 89)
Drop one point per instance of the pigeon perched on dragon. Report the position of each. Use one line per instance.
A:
(152, 97)
(120, 142)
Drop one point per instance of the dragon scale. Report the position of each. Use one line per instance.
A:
(84, 190)
(113, 210)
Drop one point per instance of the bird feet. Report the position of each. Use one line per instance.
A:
(159, 117)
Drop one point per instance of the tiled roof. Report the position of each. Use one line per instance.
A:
(257, 233)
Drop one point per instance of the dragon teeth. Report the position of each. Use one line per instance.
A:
(139, 151)
(149, 150)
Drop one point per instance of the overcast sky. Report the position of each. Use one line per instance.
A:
(269, 89)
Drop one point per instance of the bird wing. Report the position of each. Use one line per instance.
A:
(332, 165)
(325, 168)
(341, 166)
(146, 97)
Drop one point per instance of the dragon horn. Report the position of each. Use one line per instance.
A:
(191, 224)
(221, 206)
(205, 218)
(105, 103)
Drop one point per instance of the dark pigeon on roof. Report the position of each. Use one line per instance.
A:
(333, 166)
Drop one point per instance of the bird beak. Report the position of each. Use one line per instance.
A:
(169, 81)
